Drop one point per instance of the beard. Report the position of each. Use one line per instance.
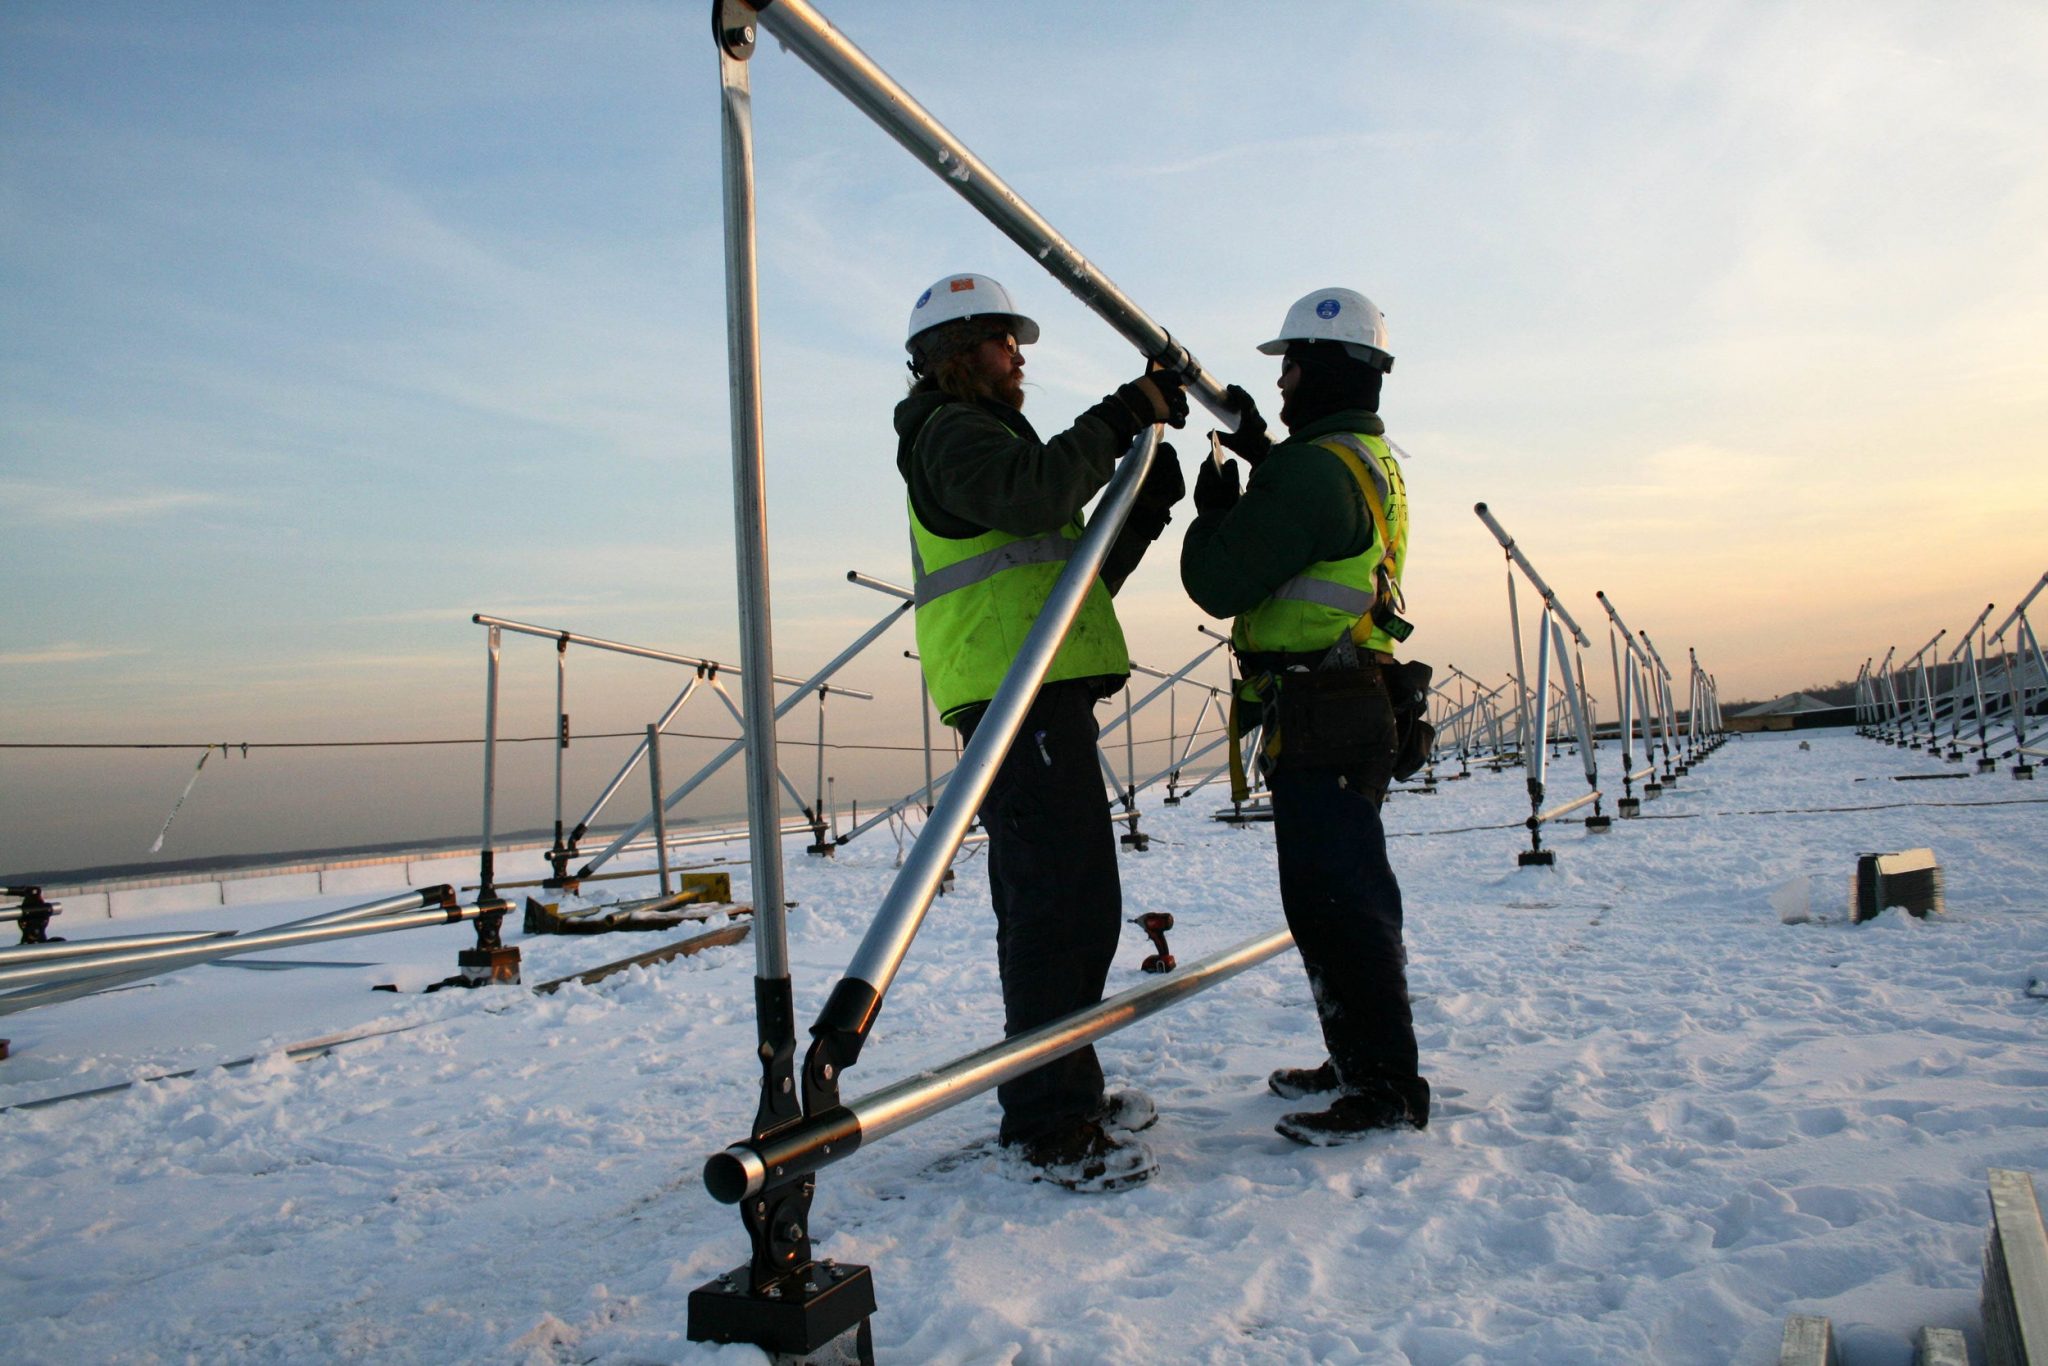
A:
(1010, 389)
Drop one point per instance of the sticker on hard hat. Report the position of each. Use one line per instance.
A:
(964, 282)
(922, 300)
(1328, 308)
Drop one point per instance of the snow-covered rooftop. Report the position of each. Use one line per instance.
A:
(1665, 1119)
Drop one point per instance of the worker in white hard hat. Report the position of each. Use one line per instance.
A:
(1307, 557)
(994, 515)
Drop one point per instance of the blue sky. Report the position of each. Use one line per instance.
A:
(330, 325)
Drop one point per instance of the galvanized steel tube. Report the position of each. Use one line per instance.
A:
(750, 511)
(742, 1169)
(903, 910)
(637, 651)
(855, 75)
(2020, 610)
(1514, 551)
(171, 958)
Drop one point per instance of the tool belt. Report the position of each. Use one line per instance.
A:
(1321, 713)
(1334, 711)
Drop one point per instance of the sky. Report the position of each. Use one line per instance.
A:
(328, 327)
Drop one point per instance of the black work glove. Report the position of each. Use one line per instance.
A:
(1216, 490)
(1249, 442)
(1164, 484)
(1160, 396)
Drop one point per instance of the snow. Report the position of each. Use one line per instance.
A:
(1665, 1121)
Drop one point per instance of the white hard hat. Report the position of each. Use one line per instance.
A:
(953, 297)
(1340, 315)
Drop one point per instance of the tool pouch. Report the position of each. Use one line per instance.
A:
(1408, 694)
(1337, 719)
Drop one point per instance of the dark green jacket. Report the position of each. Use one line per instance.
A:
(1301, 505)
(971, 467)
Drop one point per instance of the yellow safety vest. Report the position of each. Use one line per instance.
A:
(978, 596)
(1312, 610)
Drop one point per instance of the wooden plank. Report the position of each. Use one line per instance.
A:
(1808, 1341)
(2015, 1299)
(730, 934)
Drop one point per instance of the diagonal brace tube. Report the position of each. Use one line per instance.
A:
(842, 1027)
(855, 75)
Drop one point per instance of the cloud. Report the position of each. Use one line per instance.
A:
(66, 652)
(34, 500)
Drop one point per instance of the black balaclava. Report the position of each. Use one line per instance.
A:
(1332, 380)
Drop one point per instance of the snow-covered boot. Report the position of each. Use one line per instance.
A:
(1129, 1110)
(1292, 1083)
(1374, 1108)
(1084, 1157)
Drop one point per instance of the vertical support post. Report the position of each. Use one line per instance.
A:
(821, 843)
(1132, 838)
(490, 961)
(660, 816)
(1521, 674)
(487, 872)
(1537, 766)
(782, 1298)
(924, 716)
(561, 742)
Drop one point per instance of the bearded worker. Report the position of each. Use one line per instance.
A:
(995, 513)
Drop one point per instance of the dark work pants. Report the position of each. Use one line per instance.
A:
(1344, 907)
(1059, 904)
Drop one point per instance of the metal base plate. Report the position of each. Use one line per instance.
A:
(819, 1304)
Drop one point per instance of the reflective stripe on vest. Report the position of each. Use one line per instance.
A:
(977, 598)
(931, 584)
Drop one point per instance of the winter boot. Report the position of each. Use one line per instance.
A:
(1292, 1083)
(1129, 1110)
(1083, 1157)
(1377, 1107)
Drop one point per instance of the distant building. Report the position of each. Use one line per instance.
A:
(1793, 711)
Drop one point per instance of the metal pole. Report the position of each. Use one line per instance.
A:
(178, 956)
(441, 894)
(924, 717)
(626, 769)
(850, 1010)
(750, 516)
(486, 873)
(708, 666)
(719, 761)
(1521, 674)
(819, 789)
(660, 818)
(1507, 543)
(2020, 610)
(1574, 693)
(855, 75)
(1540, 769)
(561, 728)
(742, 1170)
(89, 957)
(15, 954)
